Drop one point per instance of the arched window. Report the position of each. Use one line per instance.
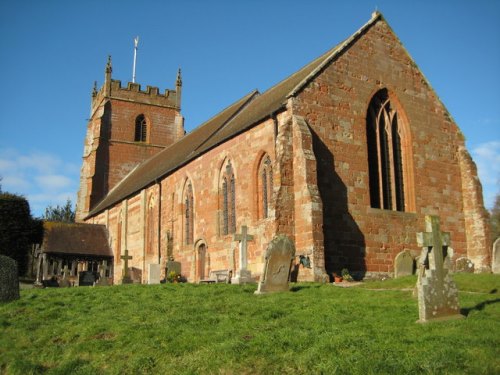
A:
(189, 214)
(228, 200)
(141, 129)
(265, 186)
(385, 158)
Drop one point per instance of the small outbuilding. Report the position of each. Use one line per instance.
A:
(70, 250)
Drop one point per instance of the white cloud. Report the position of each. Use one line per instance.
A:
(487, 158)
(44, 179)
(53, 182)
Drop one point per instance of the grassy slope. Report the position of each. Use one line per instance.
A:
(226, 329)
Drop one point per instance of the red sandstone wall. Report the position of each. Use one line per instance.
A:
(204, 173)
(335, 106)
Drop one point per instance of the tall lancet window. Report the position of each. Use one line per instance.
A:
(265, 186)
(228, 189)
(189, 214)
(141, 129)
(385, 158)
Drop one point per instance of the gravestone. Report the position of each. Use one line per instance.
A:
(65, 283)
(154, 273)
(86, 278)
(278, 260)
(173, 266)
(495, 265)
(403, 264)
(9, 280)
(437, 293)
(243, 275)
(125, 274)
(135, 275)
(463, 264)
(103, 280)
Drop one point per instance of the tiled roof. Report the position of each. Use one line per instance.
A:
(240, 116)
(72, 238)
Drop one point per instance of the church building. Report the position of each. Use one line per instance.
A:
(345, 157)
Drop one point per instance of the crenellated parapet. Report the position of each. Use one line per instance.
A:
(112, 89)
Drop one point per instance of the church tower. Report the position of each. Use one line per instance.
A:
(126, 126)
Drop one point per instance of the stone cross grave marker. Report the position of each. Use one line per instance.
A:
(495, 266)
(437, 293)
(278, 261)
(243, 275)
(126, 277)
(9, 280)
(65, 283)
(103, 280)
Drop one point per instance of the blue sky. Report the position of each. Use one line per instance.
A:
(54, 50)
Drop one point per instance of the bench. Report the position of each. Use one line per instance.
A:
(219, 276)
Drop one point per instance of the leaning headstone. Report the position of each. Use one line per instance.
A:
(437, 293)
(464, 264)
(495, 265)
(278, 261)
(403, 264)
(9, 280)
(154, 273)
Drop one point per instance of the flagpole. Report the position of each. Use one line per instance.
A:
(136, 42)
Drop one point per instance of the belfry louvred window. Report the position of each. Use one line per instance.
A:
(141, 129)
(385, 158)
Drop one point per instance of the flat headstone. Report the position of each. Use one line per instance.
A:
(173, 266)
(495, 264)
(464, 264)
(403, 264)
(154, 273)
(86, 278)
(9, 279)
(278, 260)
(437, 292)
(103, 279)
(135, 275)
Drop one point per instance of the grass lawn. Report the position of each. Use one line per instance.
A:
(226, 329)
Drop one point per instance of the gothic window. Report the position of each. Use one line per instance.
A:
(385, 159)
(189, 214)
(228, 201)
(265, 186)
(141, 129)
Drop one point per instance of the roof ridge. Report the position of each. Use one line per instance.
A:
(251, 96)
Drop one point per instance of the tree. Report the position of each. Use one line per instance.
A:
(495, 218)
(18, 230)
(64, 213)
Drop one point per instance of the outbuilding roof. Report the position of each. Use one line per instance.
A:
(235, 119)
(76, 239)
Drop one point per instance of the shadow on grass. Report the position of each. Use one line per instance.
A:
(479, 306)
(298, 288)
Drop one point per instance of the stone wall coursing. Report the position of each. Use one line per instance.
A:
(335, 104)
(110, 152)
(204, 173)
(476, 217)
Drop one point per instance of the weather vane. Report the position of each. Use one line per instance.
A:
(136, 42)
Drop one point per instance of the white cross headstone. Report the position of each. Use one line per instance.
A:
(242, 275)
